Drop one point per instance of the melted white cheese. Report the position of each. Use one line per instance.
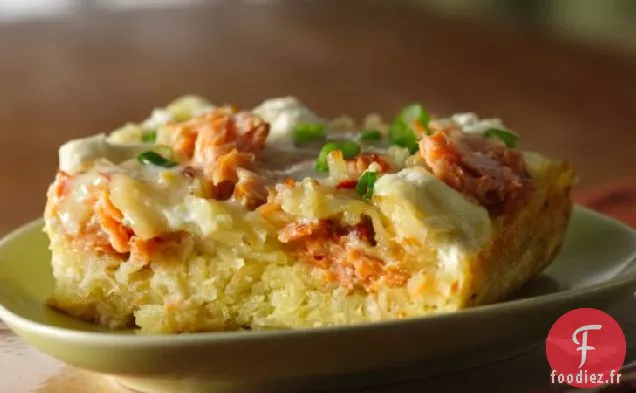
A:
(159, 117)
(79, 155)
(283, 114)
(425, 208)
(73, 211)
(470, 122)
(179, 110)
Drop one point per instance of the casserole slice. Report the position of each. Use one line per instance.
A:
(207, 218)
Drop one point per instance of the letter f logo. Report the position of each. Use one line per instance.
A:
(583, 343)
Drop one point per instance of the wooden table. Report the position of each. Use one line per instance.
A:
(92, 72)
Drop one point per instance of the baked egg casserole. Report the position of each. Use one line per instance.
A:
(211, 218)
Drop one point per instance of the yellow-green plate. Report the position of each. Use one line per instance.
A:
(595, 269)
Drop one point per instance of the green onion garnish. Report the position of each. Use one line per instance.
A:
(401, 132)
(506, 137)
(364, 188)
(149, 137)
(308, 132)
(413, 113)
(349, 150)
(150, 157)
(403, 137)
(370, 136)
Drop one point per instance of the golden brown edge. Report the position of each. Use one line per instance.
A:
(524, 245)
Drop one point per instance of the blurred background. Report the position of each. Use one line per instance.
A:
(562, 73)
(605, 22)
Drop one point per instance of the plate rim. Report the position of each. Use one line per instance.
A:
(17, 322)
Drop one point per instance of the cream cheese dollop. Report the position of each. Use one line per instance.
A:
(423, 207)
(79, 155)
(283, 114)
(471, 123)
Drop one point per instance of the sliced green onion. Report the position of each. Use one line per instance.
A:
(150, 157)
(413, 113)
(149, 137)
(401, 132)
(370, 136)
(349, 150)
(403, 137)
(308, 132)
(506, 137)
(364, 188)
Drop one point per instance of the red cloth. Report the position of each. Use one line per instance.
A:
(616, 199)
